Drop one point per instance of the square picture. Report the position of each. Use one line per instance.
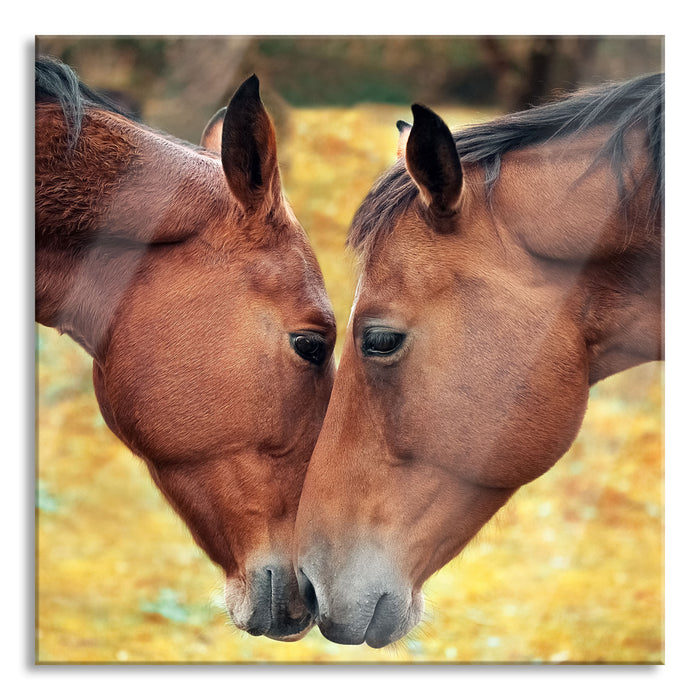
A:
(349, 350)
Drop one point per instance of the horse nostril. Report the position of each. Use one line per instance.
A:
(308, 594)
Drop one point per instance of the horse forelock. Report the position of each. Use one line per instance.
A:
(637, 103)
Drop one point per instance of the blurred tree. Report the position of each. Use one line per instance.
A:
(506, 73)
(523, 78)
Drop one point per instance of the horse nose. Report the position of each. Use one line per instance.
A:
(269, 603)
(308, 594)
(363, 599)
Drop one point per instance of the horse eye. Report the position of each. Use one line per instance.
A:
(380, 341)
(309, 346)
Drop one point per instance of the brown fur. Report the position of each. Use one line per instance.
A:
(211, 136)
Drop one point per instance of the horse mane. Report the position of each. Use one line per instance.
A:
(57, 83)
(637, 102)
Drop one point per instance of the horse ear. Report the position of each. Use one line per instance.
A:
(433, 162)
(404, 130)
(211, 136)
(249, 148)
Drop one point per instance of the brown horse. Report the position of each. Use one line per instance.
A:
(187, 278)
(504, 270)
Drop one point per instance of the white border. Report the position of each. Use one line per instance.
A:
(362, 17)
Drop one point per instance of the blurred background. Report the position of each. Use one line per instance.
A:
(570, 571)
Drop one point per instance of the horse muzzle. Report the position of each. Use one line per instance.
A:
(367, 601)
(268, 603)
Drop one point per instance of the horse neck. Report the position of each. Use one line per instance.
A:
(623, 313)
(100, 209)
(569, 219)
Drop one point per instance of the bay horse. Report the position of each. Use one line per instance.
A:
(504, 270)
(185, 275)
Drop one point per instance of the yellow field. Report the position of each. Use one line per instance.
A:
(570, 571)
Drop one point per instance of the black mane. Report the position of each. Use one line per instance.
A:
(638, 102)
(56, 82)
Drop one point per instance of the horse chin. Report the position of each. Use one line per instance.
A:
(294, 637)
(267, 603)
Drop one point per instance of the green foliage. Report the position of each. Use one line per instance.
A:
(44, 500)
(170, 606)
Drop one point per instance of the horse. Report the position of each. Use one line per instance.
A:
(503, 270)
(185, 275)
